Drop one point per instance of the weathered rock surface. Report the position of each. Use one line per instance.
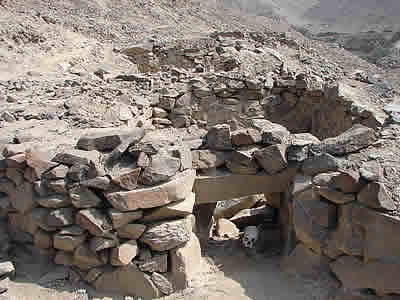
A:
(354, 275)
(124, 253)
(157, 263)
(205, 159)
(177, 189)
(219, 137)
(94, 221)
(162, 167)
(375, 195)
(82, 197)
(352, 140)
(162, 283)
(128, 280)
(68, 243)
(167, 235)
(131, 231)
(172, 210)
(226, 229)
(185, 262)
(86, 259)
(120, 219)
(272, 158)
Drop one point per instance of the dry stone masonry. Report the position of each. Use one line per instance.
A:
(121, 225)
(121, 208)
(337, 211)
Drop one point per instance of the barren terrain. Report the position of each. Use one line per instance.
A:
(58, 60)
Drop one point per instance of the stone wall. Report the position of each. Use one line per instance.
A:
(227, 79)
(338, 212)
(115, 210)
(118, 209)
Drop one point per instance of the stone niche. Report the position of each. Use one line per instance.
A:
(337, 213)
(117, 210)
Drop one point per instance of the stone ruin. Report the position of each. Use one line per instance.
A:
(124, 208)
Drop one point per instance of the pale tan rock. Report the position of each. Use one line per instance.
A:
(124, 253)
(185, 263)
(177, 189)
(226, 228)
(172, 210)
(120, 219)
(128, 280)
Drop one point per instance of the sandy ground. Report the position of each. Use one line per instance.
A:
(228, 273)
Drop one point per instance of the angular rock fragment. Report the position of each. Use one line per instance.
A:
(162, 283)
(98, 243)
(55, 201)
(167, 235)
(219, 137)
(124, 253)
(127, 181)
(375, 195)
(86, 259)
(172, 210)
(158, 263)
(128, 280)
(131, 231)
(246, 137)
(162, 167)
(120, 219)
(82, 197)
(272, 158)
(61, 217)
(177, 189)
(94, 221)
(352, 140)
(68, 243)
(185, 262)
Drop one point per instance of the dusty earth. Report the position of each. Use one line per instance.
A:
(227, 273)
(45, 44)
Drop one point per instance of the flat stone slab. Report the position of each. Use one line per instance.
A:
(175, 190)
(211, 189)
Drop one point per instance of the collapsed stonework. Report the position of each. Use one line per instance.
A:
(122, 222)
(119, 208)
(337, 210)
